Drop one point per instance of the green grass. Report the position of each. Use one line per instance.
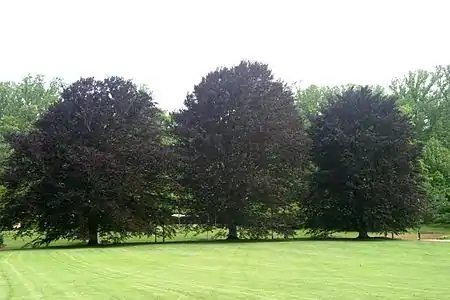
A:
(444, 229)
(263, 270)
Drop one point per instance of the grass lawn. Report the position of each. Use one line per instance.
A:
(263, 270)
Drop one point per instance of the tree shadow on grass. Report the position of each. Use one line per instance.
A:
(197, 241)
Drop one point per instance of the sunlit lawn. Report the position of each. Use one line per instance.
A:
(213, 270)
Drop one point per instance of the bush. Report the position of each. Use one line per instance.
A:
(2, 240)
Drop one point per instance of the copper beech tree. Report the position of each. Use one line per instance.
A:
(93, 165)
(242, 147)
(368, 174)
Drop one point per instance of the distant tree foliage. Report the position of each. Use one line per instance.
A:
(242, 147)
(310, 100)
(425, 96)
(368, 175)
(94, 164)
(436, 160)
(21, 104)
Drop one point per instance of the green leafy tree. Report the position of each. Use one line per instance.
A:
(368, 170)
(310, 100)
(22, 103)
(94, 164)
(442, 125)
(418, 97)
(425, 97)
(242, 146)
(436, 159)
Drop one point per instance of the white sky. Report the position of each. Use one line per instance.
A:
(170, 45)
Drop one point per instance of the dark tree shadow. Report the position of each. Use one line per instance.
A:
(199, 241)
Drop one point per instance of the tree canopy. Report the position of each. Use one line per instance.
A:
(368, 172)
(242, 145)
(93, 164)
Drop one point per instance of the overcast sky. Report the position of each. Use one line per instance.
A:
(170, 45)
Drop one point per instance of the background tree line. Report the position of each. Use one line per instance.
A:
(246, 153)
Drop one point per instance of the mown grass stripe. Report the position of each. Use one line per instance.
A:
(290, 270)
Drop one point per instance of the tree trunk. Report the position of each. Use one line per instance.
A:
(93, 231)
(363, 235)
(232, 232)
(164, 233)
